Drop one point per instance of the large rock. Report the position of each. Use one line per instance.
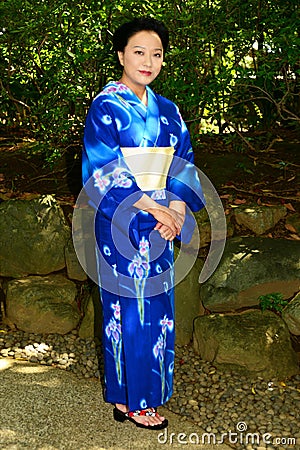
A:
(204, 223)
(87, 326)
(259, 219)
(251, 267)
(91, 325)
(187, 301)
(252, 343)
(42, 304)
(204, 227)
(83, 234)
(33, 235)
(74, 269)
(291, 315)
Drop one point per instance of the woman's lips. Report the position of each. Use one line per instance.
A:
(145, 73)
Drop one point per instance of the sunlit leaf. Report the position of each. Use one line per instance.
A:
(239, 201)
(290, 228)
(289, 206)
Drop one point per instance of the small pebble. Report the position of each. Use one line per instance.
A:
(226, 402)
(70, 352)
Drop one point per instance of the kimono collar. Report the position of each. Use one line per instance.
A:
(124, 93)
(152, 126)
(150, 113)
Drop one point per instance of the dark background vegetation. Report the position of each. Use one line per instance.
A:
(233, 68)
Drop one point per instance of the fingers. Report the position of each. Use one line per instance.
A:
(169, 221)
(158, 226)
(180, 217)
(167, 217)
(173, 225)
(166, 233)
(177, 223)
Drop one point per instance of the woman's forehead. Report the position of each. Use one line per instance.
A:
(145, 39)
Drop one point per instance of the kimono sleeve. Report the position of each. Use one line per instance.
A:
(107, 179)
(184, 180)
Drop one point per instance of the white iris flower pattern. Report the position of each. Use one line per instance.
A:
(139, 269)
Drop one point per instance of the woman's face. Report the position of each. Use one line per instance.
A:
(141, 59)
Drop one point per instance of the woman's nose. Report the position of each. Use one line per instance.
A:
(147, 60)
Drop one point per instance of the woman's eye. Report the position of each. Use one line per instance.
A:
(139, 52)
(157, 55)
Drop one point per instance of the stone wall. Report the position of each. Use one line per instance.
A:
(39, 271)
(45, 290)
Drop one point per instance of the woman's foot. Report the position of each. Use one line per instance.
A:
(121, 407)
(145, 418)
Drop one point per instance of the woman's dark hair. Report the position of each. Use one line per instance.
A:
(128, 29)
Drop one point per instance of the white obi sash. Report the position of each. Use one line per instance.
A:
(149, 165)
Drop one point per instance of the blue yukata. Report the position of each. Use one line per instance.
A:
(131, 149)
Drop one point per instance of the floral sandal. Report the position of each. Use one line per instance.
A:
(121, 416)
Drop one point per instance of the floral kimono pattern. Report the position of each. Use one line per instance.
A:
(135, 264)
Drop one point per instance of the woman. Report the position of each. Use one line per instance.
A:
(132, 139)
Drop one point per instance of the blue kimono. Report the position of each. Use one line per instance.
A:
(135, 265)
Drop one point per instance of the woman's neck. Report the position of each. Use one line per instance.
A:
(139, 91)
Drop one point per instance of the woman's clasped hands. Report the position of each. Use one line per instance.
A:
(170, 220)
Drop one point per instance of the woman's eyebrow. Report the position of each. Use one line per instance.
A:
(140, 46)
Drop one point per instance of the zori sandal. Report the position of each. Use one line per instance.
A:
(121, 416)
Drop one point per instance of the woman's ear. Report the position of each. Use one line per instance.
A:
(121, 58)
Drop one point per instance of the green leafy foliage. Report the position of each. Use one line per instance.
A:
(272, 301)
(232, 65)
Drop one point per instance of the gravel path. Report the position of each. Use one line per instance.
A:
(243, 413)
(219, 402)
